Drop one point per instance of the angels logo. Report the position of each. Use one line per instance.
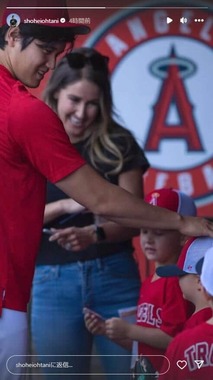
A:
(163, 89)
(154, 200)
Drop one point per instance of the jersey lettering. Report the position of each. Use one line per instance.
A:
(148, 313)
(199, 351)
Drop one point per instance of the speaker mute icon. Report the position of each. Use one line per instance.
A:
(169, 20)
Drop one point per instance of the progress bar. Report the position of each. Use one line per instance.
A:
(203, 7)
(56, 7)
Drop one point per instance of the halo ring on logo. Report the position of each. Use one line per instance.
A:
(159, 67)
(191, 172)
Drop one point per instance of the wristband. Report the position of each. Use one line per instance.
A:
(100, 233)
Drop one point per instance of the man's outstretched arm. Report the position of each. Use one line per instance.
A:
(88, 188)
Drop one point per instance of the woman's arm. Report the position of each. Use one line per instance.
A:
(81, 238)
(64, 206)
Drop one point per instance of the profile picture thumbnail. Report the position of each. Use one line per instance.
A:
(13, 19)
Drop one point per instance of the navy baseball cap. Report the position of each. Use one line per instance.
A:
(44, 13)
(199, 265)
(193, 251)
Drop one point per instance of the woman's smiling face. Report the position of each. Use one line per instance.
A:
(78, 106)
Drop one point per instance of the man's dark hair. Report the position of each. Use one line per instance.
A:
(47, 34)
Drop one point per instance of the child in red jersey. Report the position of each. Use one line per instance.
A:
(189, 279)
(191, 352)
(162, 311)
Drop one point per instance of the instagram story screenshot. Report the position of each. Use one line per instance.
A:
(106, 109)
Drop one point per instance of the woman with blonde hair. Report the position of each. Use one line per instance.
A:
(93, 264)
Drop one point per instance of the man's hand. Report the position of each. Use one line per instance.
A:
(196, 226)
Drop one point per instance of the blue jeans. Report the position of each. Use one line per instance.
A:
(59, 294)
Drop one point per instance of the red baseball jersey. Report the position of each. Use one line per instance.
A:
(198, 317)
(161, 305)
(189, 350)
(33, 147)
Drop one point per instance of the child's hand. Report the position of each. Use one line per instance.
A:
(116, 328)
(94, 324)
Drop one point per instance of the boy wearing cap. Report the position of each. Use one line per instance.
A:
(33, 147)
(191, 352)
(189, 279)
(161, 311)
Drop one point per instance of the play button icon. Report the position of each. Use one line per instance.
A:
(168, 20)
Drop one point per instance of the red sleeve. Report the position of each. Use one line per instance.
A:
(41, 137)
(175, 309)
